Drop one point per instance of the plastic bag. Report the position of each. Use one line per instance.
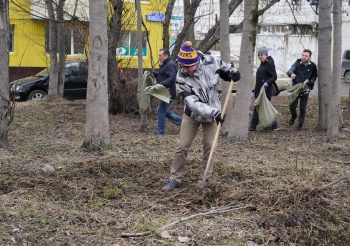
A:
(267, 113)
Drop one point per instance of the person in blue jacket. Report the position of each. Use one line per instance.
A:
(265, 76)
(166, 76)
(302, 69)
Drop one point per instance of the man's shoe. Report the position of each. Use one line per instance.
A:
(300, 126)
(252, 128)
(275, 128)
(291, 121)
(172, 184)
(158, 133)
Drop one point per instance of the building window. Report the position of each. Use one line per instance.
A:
(129, 45)
(12, 40)
(74, 41)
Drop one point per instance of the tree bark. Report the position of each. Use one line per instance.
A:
(166, 24)
(53, 83)
(213, 36)
(225, 56)
(115, 87)
(324, 62)
(334, 104)
(61, 46)
(139, 49)
(5, 110)
(188, 21)
(243, 97)
(97, 121)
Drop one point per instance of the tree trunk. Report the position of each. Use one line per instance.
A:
(324, 62)
(53, 83)
(213, 33)
(188, 21)
(5, 109)
(213, 37)
(97, 121)
(139, 49)
(225, 56)
(61, 46)
(115, 88)
(166, 24)
(334, 104)
(243, 97)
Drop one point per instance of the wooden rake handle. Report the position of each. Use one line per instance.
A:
(217, 132)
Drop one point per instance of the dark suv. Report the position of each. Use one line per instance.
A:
(345, 66)
(36, 87)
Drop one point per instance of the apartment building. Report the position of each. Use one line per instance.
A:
(285, 29)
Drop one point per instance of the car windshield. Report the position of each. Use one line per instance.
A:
(42, 73)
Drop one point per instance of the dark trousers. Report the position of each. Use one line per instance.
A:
(293, 108)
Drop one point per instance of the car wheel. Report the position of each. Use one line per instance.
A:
(274, 91)
(36, 95)
(347, 77)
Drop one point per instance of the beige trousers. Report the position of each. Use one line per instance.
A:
(188, 132)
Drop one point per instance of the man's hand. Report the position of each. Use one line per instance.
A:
(266, 85)
(310, 85)
(218, 119)
(293, 76)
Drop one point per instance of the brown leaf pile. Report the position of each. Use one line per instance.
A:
(94, 197)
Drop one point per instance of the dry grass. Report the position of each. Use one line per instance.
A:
(94, 197)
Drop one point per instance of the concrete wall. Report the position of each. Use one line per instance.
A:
(284, 49)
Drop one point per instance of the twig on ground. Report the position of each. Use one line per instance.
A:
(333, 183)
(139, 234)
(211, 212)
(341, 162)
(326, 186)
(217, 211)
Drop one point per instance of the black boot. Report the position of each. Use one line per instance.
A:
(252, 128)
(291, 121)
(300, 126)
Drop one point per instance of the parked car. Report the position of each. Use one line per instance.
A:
(36, 87)
(281, 84)
(345, 66)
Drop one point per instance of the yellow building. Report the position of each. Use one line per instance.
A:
(29, 34)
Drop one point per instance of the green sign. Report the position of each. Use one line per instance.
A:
(130, 51)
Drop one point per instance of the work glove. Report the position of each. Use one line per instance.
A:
(218, 119)
(310, 85)
(266, 84)
(235, 74)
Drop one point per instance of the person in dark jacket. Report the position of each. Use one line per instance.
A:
(302, 69)
(265, 76)
(166, 76)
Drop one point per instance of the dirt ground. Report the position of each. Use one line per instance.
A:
(284, 187)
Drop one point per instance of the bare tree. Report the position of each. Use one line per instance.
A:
(53, 83)
(5, 111)
(97, 121)
(225, 56)
(334, 103)
(115, 35)
(61, 46)
(213, 37)
(243, 98)
(188, 21)
(139, 49)
(166, 24)
(324, 62)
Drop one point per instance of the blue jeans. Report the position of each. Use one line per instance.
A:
(163, 112)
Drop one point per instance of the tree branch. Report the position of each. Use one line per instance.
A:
(211, 212)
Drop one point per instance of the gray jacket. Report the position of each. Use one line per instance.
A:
(200, 89)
